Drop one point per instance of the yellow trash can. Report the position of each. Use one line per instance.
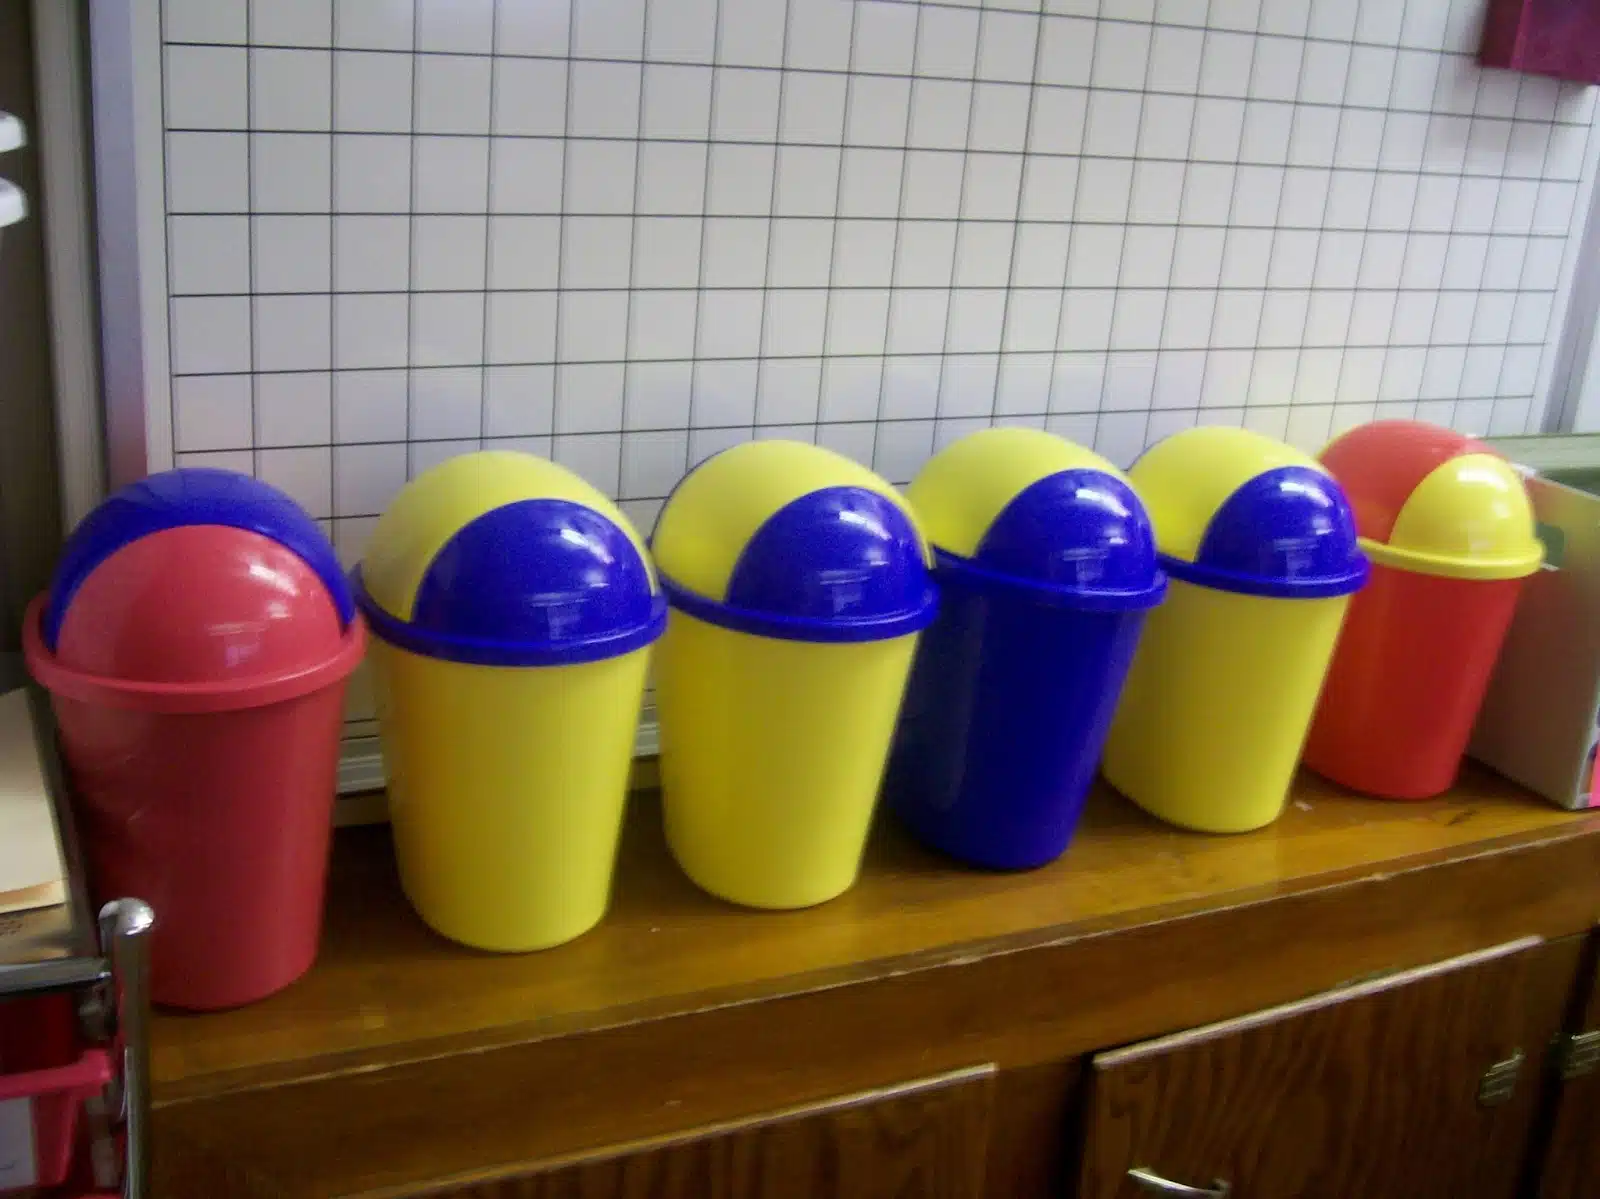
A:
(798, 582)
(1260, 548)
(512, 607)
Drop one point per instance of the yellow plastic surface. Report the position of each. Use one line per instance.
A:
(964, 488)
(1185, 478)
(1217, 705)
(713, 513)
(506, 791)
(430, 510)
(771, 757)
(1470, 518)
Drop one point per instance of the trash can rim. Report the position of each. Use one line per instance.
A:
(956, 566)
(225, 695)
(880, 626)
(1453, 566)
(489, 651)
(1321, 587)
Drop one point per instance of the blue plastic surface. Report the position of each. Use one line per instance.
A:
(1081, 535)
(1006, 713)
(540, 582)
(1288, 532)
(840, 564)
(191, 496)
(1014, 685)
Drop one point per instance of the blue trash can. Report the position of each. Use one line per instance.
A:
(1047, 565)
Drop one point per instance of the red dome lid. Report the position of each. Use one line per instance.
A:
(1381, 463)
(200, 604)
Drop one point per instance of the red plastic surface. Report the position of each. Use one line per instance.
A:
(1407, 680)
(1548, 37)
(40, 1061)
(1380, 464)
(217, 815)
(199, 604)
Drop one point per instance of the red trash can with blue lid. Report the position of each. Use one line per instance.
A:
(1046, 566)
(1450, 531)
(196, 642)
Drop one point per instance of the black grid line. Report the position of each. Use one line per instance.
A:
(772, 215)
(899, 236)
(975, 158)
(1233, 203)
(484, 377)
(700, 280)
(1020, 11)
(975, 153)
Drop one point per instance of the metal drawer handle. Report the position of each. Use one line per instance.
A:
(1149, 1180)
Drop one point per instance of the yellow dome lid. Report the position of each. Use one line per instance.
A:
(1434, 501)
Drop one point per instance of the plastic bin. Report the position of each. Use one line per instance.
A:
(45, 1075)
(1046, 566)
(798, 582)
(196, 642)
(1260, 546)
(513, 607)
(1450, 531)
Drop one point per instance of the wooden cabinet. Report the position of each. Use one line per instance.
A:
(1570, 1166)
(1424, 1083)
(933, 1034)
(925, 1139)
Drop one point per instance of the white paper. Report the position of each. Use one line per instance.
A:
(17, 1167)
(31, 870)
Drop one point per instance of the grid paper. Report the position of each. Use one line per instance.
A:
(629, 233)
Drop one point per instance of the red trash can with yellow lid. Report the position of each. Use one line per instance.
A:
(1450, 531)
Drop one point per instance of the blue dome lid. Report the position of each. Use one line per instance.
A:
(535, 582)
(1078, 536)
(191, 496)
(1286, 532)
(838, 564)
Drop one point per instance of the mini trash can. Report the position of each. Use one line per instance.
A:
(798, 582)
(1046, 566)
(512, 607)
(1260, 549)
(1450, 531)
(196, 641)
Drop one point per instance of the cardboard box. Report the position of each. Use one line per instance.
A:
(1540, 720)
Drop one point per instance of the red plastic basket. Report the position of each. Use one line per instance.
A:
(43, 1067)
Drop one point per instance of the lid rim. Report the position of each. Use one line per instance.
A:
(1322, 587)
(484, 651)
(1051, 594)
(1452, 566)
(878, 627)
(227, 695)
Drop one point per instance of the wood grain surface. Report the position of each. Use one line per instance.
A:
(1570, 1165)
(403, 1062)
(1370, 1091)
(384, 982)
(923, 1139)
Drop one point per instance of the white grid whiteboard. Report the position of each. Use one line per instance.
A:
(627, 233)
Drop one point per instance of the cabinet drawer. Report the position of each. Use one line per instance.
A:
(925, 1139)
(1375, 1090)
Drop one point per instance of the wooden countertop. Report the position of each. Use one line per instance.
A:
(388, 990)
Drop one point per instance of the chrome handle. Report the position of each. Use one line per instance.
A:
(124, 938)
(1149, 1180)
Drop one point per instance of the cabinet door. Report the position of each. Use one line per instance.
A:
(1372, 1090)
(922, 1140)
(1571, 1167)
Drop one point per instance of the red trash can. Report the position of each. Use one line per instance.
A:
(196, 642)
(1450, 532)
